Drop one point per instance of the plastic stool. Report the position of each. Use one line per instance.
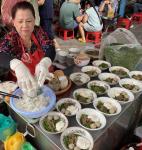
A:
(66, 34)
(93, 37)
(124, 23)
(137, 18)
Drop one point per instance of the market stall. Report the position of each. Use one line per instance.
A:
(107, 138)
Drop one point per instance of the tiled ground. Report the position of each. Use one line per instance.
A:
(65, 45)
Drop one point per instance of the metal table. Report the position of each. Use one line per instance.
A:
(107, 138)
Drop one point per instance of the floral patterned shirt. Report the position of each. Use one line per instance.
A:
(11, 44)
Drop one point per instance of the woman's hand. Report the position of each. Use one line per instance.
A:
(42, 72)
(24, 78)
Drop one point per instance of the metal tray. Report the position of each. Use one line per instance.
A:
(107, 138)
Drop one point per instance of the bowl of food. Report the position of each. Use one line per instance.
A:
(103, 65)
(61, 56)
(107, 106)
(133, 85)
(79, 78)
(110, 78)
(74, 51)
(33, 107)
(91, 119)
(121, 94)
(8, 87)
(92, 71)
(137, 75)
(84, 96)
(53, 123)
(99, 87)
(76, 138)
(81, 60)
(60, 83)
(68, 106)
(120, 71)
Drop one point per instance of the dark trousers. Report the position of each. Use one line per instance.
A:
(46, 24)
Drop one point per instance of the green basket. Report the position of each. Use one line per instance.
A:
(129, 56)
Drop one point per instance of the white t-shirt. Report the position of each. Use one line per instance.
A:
(93, 19)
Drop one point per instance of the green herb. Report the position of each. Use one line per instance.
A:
(131, 87)
(50, 125)
(83, 99)
(125, 56)
(120, 72)
(103, 66)
(137, 77)
(102, 108)
(70, 139)
(64, 106)
(111, 80)
(98, 89)
(91, 73)
(122, 97)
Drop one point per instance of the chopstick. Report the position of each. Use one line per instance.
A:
(9, 95)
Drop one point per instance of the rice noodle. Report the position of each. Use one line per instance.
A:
(32, 105)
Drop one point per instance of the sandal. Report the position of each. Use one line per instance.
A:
(81, 40)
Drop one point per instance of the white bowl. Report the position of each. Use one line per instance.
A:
(86, 92)
(61, 56)
(78, 131)
(74, 102)
(104, 76)
(98, 83)
(53, 113)
(117, 68)
(135, 73)
(99, 62)
(83, 62)
(109, 100)
(94, 114)
(131, 82)
(8, 86)
(84, 78)
(74, 50)
(113, 92)
(91, 68)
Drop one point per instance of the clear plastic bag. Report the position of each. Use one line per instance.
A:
(127, 55)
(122, 48)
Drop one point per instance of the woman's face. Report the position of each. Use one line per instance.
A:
(24, 22)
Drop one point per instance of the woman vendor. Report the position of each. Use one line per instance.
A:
(26, 50)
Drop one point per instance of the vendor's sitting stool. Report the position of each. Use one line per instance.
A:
(137, 18)
(66, 34)
(94, 37)
(124, 23)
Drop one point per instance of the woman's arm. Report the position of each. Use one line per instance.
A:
(110, 9)
(101, 8)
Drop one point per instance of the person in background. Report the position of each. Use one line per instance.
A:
(138, 6)
(107, 12)
(91, 21)
(70, 15)
(6, 10)
(26, 50)
(46, 18)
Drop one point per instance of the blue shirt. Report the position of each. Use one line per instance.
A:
(46, 10)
